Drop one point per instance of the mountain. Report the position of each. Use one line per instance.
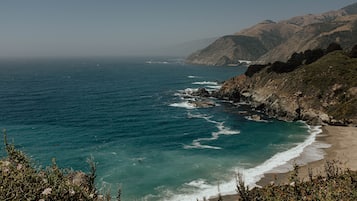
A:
(292, 91)
(270, 41)
(183, 49)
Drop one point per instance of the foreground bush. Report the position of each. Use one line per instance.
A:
(336, 184)
(19, 180)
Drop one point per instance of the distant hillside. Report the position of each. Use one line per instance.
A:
(185, 48)
(270, 41)
(316, 86)
(228, 49)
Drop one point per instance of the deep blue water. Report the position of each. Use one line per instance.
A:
(134, 119)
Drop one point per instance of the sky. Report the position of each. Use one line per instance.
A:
(70, 28)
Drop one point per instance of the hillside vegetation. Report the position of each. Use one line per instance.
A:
(318, 86)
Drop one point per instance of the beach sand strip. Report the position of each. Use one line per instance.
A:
(343, 149)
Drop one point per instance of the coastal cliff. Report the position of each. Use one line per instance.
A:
(271, 41)
(317, 86)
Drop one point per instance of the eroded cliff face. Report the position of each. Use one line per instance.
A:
(324, 91)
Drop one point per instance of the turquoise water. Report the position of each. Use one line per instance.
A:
(136, 120)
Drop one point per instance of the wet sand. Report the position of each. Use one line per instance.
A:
(343, 148)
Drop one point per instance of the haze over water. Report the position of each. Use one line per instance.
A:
(87, 28)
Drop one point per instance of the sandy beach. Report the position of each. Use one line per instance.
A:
(342, 147)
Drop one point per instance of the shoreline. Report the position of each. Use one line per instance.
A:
(338, 143)
(342, 148)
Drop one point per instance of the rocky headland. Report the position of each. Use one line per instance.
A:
(318, 86)
(271, 41)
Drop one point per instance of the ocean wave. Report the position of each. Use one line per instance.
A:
(214, 87)
(192, 76)
(252, 175)
(205, 83)
(199, 183)
(186, 92)
(185, 104)
(197, 145)
(189, 90)
(210, 86)
(222, 130)
(157, 62)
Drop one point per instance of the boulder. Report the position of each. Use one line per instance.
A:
(256, 117)
(202, 92)
(203, 103)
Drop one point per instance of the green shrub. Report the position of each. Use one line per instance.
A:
(19, 180)
(337, 185)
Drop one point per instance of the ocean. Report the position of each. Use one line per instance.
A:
(136, 118)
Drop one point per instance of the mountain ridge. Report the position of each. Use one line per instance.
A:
(271, 41)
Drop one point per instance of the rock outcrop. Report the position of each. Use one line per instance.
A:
(324, 91)
(271, 41)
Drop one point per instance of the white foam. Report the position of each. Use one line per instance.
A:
(186, 92)
(251, 175)
(184, 104)
(222, 130)
(192, 76)
(197, 145)
(205, 83)
(157, 62)
(199, 183)
(190, 90)
(204, 190)
(214, 87)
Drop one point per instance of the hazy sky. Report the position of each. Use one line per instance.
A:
(131, 27)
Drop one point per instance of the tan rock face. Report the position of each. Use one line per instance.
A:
(314, 93)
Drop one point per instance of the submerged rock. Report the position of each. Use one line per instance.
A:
(203, 103)
(201, 92)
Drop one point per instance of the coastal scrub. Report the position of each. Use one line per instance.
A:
(19, 180)
(335, 184)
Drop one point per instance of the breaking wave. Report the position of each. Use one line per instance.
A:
(250, 175)
(205, 83)
(185, 104)
(222, 130)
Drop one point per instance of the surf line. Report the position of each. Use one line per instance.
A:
(252, 175)
(222, 130)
